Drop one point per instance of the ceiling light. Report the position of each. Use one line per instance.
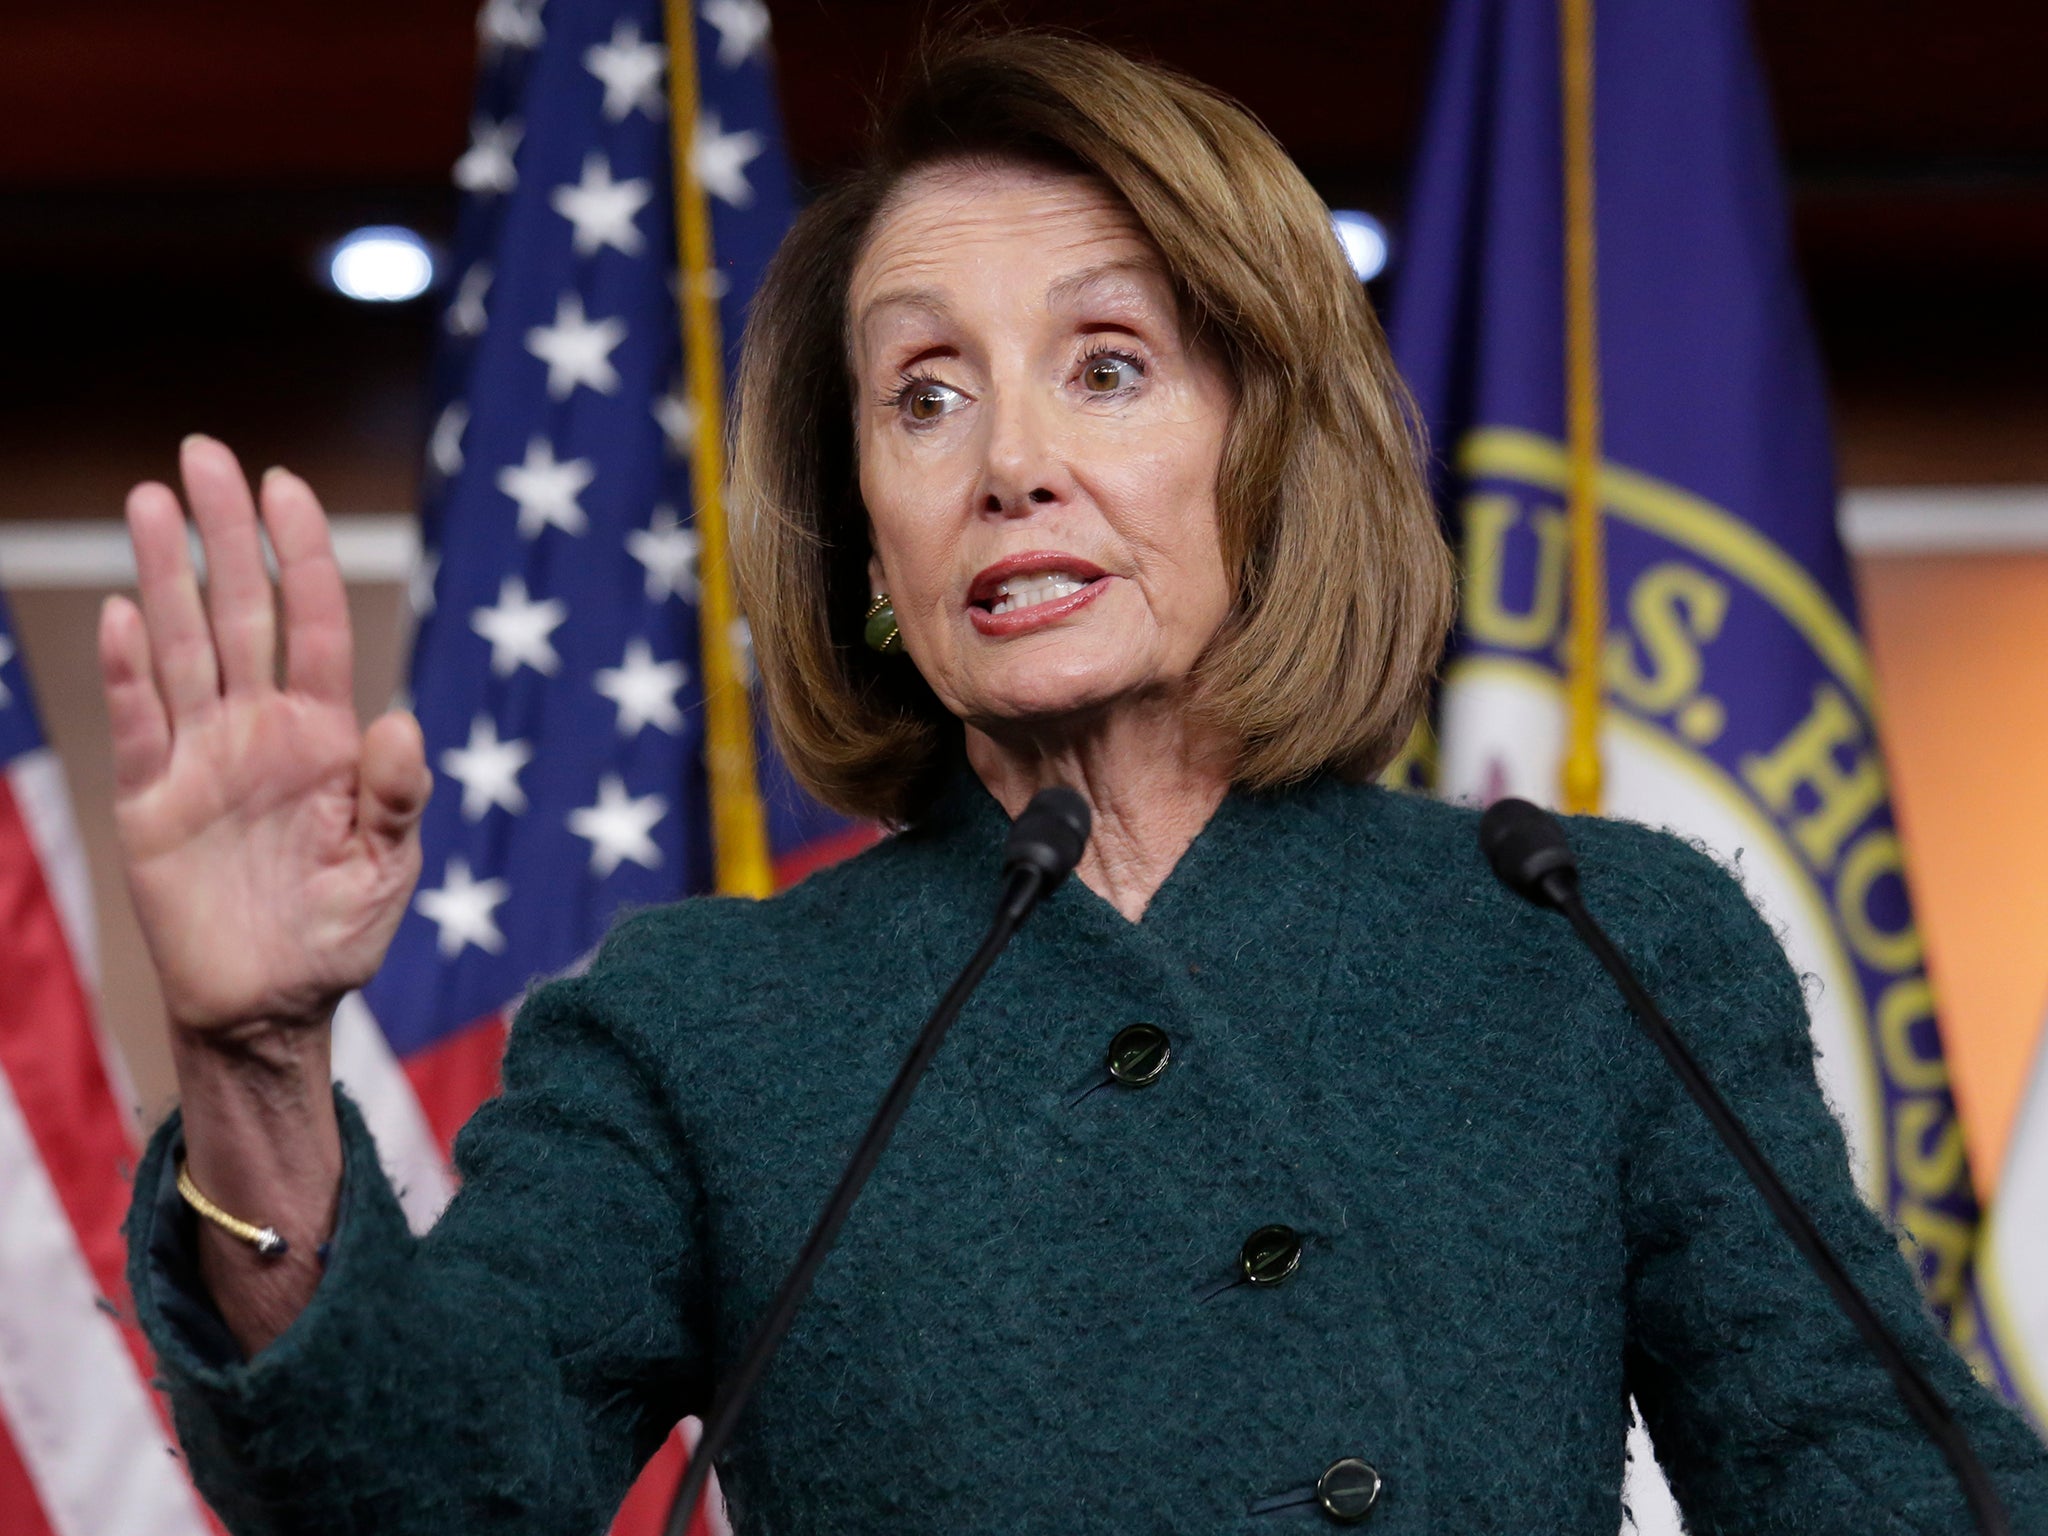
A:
(1364, 239)
(382, 264)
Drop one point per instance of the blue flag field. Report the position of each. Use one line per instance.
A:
(1731, 696)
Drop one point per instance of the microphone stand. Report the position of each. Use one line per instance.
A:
(1529, 854)
(1031, 872)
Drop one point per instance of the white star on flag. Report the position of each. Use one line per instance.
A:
(519, 630)
(742, 28)
(576, 349)
(603, 210)
(677, 414)
(466, 310)
(630, 71)
(618, 827)
(464, 909)
(488, 770)
(668, 552)
(487, 166)
(444, 447)
(6, 655)
(719, 160)
(510, 24)
(644, 690)
(546, 489)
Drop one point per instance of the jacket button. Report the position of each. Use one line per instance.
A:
(1270, 1255)
(1138, 1055)
(1348, 1490)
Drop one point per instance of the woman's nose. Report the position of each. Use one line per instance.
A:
(1026, 466)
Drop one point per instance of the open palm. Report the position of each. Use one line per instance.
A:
(270, 843)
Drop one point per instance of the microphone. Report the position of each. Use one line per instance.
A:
(1044, 845)
(1527, 850)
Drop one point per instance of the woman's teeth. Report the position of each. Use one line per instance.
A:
(1030, 591)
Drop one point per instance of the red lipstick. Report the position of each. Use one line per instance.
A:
(986, 587)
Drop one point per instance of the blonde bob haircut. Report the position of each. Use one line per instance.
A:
(1344, 584)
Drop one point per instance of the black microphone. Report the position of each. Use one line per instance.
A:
(1044, 845)
(1529, 854)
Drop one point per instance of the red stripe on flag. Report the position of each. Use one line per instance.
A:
(814, 856)
(49, 1053)
(21, 1510)
(452, 1077)
(645, 1512)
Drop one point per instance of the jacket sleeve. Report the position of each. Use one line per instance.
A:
(1768, 1411)
(511, 1370)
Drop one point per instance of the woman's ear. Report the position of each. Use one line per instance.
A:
(878, 583)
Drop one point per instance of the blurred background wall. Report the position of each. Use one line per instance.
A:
(170, 177)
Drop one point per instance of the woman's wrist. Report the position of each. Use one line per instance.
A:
(270, 1062)
(263, 1143)
(261, 1137)
(274, 1043)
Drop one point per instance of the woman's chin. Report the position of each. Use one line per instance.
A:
(1036, 704)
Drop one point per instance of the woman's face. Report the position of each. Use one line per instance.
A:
(1038, 447)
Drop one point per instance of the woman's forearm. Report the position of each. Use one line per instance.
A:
(261, 1142)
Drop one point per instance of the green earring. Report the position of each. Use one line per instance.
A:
(881, 633)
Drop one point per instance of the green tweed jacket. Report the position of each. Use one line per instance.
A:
(1509, 1217)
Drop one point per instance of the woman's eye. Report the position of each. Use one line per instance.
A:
(1108, 372)
(928, 399)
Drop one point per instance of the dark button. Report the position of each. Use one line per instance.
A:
(1270, 1255)
(1139, 1054)
(1348, 1490)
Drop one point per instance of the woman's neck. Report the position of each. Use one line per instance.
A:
(1152, 780)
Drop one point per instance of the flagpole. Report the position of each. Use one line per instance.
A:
(739, 826)
(1583, 642)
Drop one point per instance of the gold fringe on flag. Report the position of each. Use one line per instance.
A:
(739, 825)
(1583, 643)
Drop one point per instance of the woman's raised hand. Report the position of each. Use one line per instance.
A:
(270, 843)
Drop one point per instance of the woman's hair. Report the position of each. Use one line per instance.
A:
(1343, 582)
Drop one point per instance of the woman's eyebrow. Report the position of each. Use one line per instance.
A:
(1064, 292)
(929, 300)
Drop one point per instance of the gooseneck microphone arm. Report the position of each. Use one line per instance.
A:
(1529, 854)
(1044, 845)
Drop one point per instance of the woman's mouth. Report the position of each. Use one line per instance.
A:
(1028, 591)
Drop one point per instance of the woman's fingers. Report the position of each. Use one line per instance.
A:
(135, 711)
(179, 641)
(237, 586)
(393, 782)
(319, 654)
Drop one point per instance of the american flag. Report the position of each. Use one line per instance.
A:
(560, 662)
(83, 1439)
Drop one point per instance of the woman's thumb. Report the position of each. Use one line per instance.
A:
(393, 783)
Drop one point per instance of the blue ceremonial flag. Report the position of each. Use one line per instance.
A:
(1723, 688)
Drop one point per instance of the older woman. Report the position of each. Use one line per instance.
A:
(1068, 452)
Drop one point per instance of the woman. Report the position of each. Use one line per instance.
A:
(1067, 452)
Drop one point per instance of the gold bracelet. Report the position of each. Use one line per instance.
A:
(267, 1241)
